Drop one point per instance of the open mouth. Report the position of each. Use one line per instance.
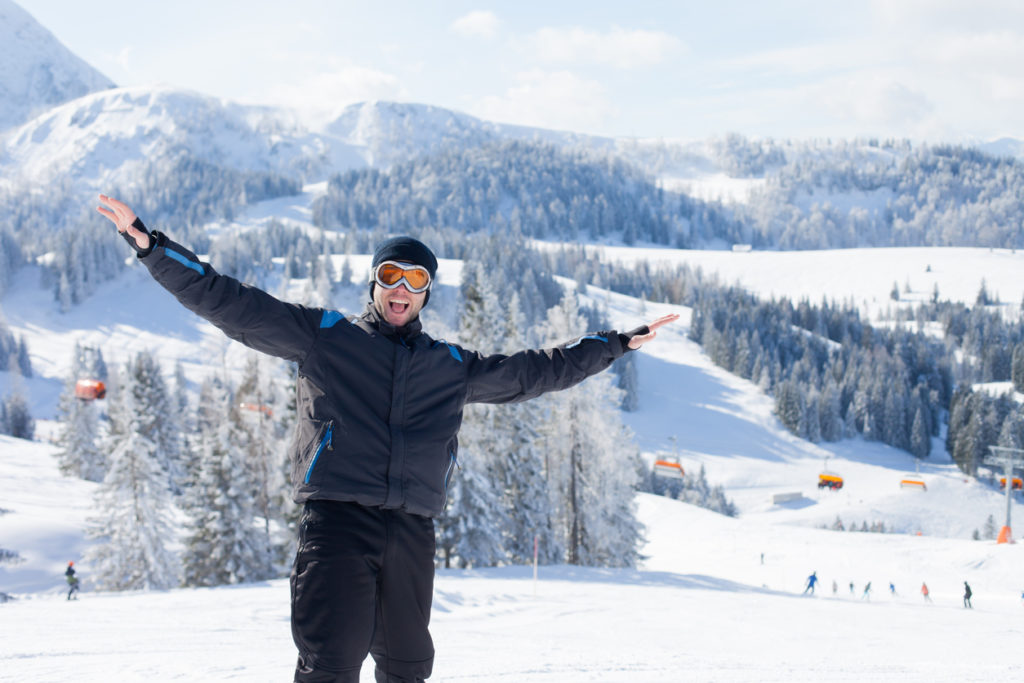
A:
(397, 306)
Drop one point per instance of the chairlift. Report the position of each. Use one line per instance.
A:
(90, 389)
(830, 480)
(1016, 483)
(912, 481)
(668, 467)
(256, 408)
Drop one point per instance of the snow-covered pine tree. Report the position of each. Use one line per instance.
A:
(521, 467)
(920, 438)
(591, 460)
(78, 436)
(471, 528)
(149, 393)
(628, 382)
(257, 400)
(133, 524)
(224, 545)
(1017, 367)
(17, 419)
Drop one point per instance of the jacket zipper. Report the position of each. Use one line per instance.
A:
(327, 442)
(452, 464)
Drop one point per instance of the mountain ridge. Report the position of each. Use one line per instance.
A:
(39, 71)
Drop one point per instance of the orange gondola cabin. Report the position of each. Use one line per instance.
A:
(90, 389)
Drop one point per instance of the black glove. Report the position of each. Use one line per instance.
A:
(138, 225)
(624, 337)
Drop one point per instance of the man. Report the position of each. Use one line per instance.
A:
(72, 580)
(812, 581)
(379, 406)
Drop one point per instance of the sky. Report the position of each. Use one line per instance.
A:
(929, 70)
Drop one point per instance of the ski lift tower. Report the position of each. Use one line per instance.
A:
(1008, 458)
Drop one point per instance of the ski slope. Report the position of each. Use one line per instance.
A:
(703, 607)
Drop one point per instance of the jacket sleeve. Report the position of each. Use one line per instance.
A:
(244, 313)
(528, 374)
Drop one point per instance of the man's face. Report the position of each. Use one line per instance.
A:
(399, 306)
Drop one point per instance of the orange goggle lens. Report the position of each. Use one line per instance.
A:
(390, 274)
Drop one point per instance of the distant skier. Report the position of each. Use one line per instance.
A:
(811, 581)
(892, 589)
(866, 595)
(69, 574)
(967, 596)
(925, 592)
(852, 591)
(835, 587)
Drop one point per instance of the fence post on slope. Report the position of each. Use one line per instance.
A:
(535, 541)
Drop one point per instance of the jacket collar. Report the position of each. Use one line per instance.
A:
(373, 316)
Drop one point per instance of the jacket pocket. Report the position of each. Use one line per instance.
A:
(313, 452)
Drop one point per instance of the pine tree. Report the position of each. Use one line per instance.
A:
(920, 438)
(473, 525)
(133, 525)
(592, 463)
(18, 421)
(521, 465)
(1017, 367)
(224, 544)
(628, 382)
(261, 437)
(80, 454)
(989, 531)
(158, 420)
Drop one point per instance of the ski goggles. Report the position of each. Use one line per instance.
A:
(390, 274)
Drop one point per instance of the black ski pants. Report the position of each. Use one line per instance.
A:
(362, 583)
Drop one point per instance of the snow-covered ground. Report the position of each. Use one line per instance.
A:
(703, 605)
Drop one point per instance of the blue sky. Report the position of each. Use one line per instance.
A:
(935, 70)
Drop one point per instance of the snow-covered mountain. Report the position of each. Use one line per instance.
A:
(38, 71)
(108, 139)
(388, 132)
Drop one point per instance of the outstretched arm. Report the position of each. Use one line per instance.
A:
(244, 313)
(638, 340)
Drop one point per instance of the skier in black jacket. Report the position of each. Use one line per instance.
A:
(379, 408)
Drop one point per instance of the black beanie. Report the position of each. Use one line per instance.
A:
(408, 250)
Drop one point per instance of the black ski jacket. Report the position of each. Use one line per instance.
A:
(378, 410)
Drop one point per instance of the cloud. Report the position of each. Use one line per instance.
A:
(618, 47)
(550, 99)
(477, 24)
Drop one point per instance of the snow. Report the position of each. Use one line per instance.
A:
(715, 187)
(862, 277)
(701, 607)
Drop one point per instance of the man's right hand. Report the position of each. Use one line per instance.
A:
(127, 223)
